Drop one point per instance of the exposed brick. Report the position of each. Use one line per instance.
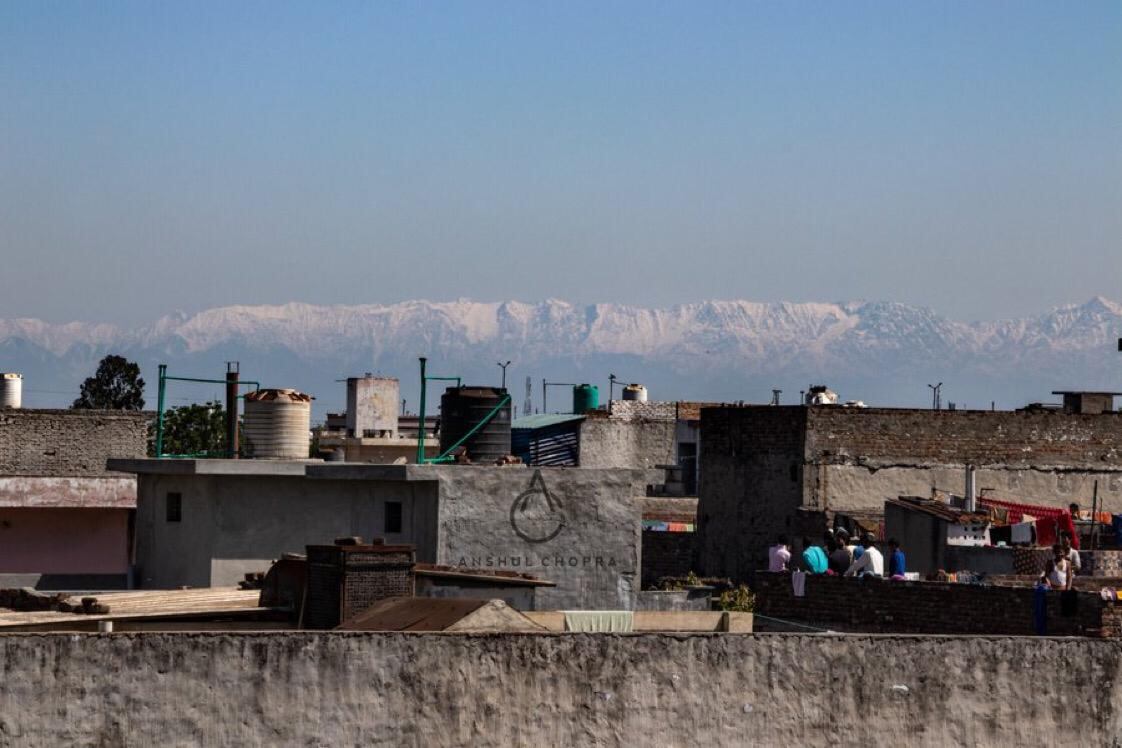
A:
(930, 607)
(667, 554)
(72, 443)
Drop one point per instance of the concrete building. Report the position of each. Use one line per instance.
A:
(65, 521)
(208, 522)
(792, 469)
(372, 406)
(371, 430)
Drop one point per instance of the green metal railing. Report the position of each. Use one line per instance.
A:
(160, 396)
(446, 456)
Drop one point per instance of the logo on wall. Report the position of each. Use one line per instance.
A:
(536, 515)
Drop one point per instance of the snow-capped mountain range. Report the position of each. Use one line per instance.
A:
(881, 352)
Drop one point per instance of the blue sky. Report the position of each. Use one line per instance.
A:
(157, 156)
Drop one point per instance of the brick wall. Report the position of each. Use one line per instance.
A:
(751, 488)
(345, 580)
(650, 410)
(929, 607)
(72, 443)
(667, 554)
(980, 437)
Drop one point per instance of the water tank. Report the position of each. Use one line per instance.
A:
(586, 397)
(636, 392)
(276, 425)
(11, 390)
(462, 408)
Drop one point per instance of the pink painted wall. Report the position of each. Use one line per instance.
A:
(64, 541)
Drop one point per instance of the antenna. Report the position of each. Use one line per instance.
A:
(936, 397)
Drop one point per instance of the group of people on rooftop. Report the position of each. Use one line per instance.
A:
(840, 555)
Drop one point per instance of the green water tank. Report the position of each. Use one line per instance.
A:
(586, 397)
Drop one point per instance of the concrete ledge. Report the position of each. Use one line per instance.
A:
(291, 688)
(176, 466)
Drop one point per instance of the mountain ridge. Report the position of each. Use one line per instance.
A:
(712, 349)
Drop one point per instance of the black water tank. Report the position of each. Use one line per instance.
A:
(462, 408)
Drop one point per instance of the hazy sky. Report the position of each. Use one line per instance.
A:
(159, 156)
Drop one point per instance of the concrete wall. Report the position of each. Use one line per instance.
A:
(579, 528)
(627, 443)
(64, 541)
(551, 689)
(373, 404)
(68, 442)
(232, 524)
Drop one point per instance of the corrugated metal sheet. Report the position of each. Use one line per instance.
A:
(556, 444)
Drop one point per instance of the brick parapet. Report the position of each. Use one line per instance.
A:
(69, 443)
(930, 607)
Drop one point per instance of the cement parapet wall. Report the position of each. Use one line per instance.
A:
(577, 689)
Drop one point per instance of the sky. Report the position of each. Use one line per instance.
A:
(156, 157)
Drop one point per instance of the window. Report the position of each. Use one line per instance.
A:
(174, 507)
(392, 523)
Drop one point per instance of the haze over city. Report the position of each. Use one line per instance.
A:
(959, 156)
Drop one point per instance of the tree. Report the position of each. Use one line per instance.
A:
(193, 429)
(116, 385)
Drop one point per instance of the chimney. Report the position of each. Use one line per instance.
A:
(349, 577)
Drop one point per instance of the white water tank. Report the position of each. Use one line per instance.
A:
(11, 390)
(277, 425)
(636, 392)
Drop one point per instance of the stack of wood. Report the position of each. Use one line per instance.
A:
(26, 599)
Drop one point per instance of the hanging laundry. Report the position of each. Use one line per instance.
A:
(798, 583)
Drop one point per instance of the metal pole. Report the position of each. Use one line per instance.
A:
(1094, 521)
(160, 411)
(232, 410)
(421, 417)
(545, 409)
(503, 367)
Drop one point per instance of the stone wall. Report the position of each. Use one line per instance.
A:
(929, 607)
(667, 554)
(71, 443)
(553, 689)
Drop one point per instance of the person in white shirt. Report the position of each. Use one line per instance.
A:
(1070, 553)
(871, 562)
(779, 555)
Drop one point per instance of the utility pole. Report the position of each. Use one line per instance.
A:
(503, 367)
(936, 398)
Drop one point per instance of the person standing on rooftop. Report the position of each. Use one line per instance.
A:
(779, 555)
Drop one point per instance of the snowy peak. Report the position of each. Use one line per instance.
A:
(739, 328)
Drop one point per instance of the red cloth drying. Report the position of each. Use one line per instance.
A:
(1050, 521)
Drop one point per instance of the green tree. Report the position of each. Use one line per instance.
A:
(116, 385)
(193, 429)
